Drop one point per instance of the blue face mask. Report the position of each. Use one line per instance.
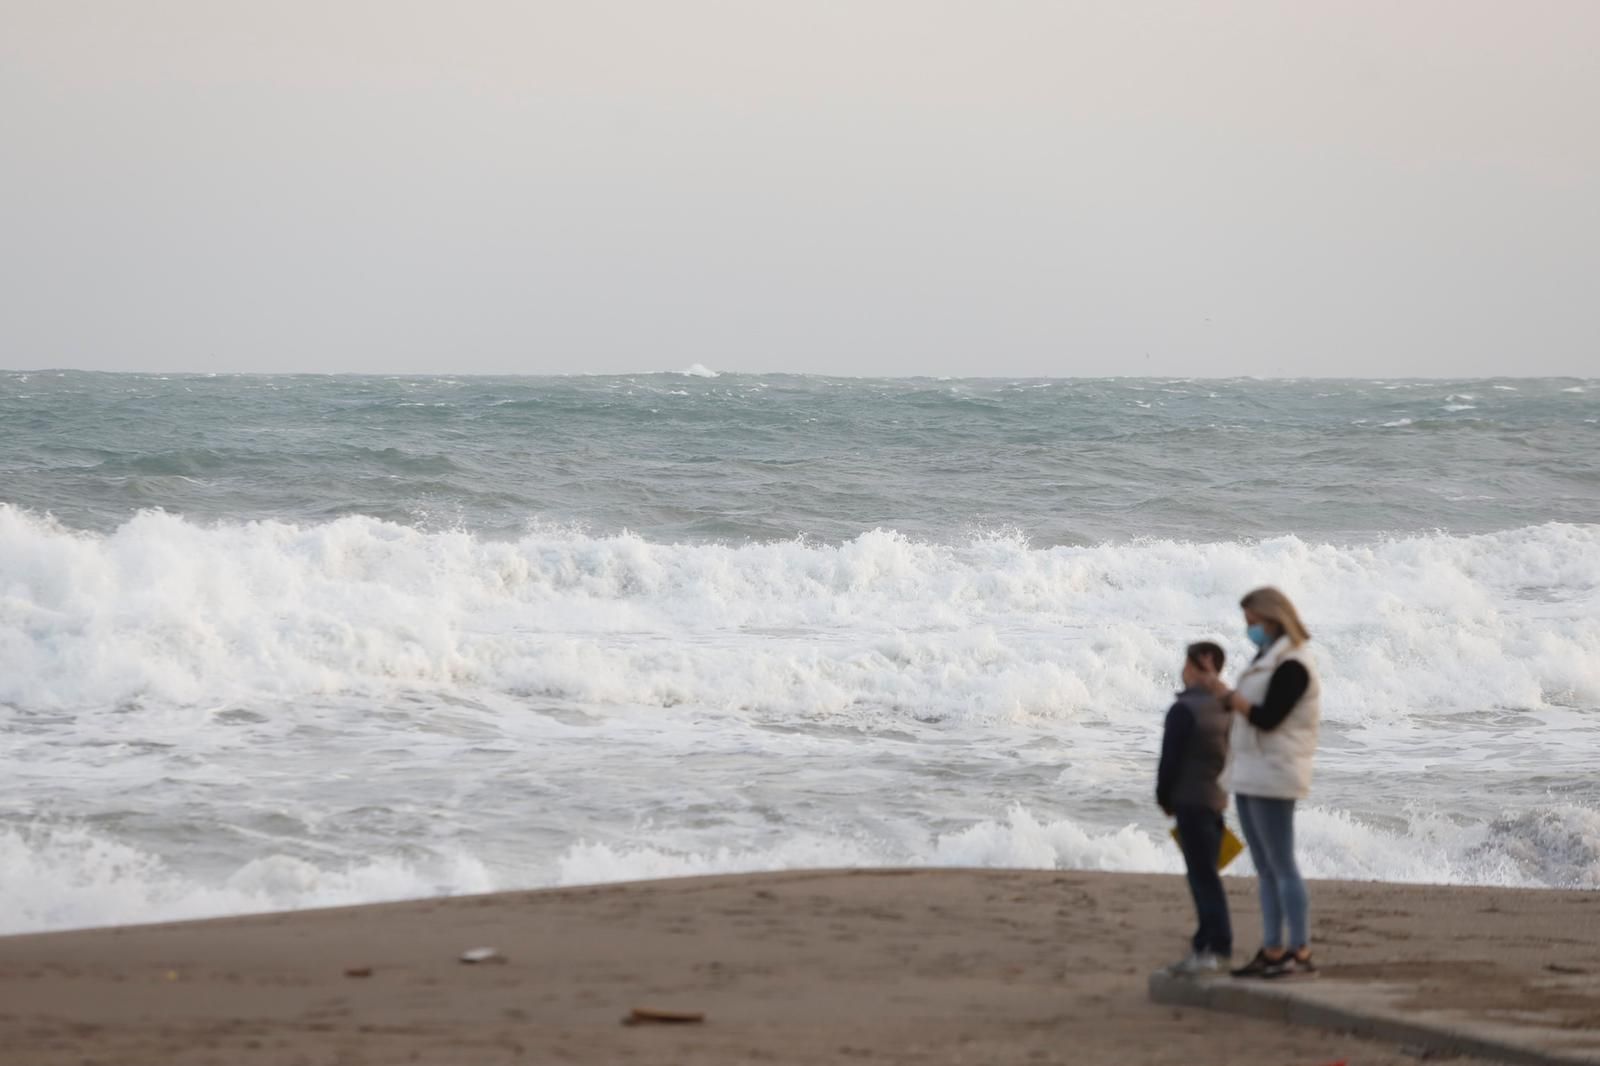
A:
(1258, 635)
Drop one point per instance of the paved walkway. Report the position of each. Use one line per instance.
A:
(1545, 1018)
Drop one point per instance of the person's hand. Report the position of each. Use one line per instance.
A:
(1237, 703)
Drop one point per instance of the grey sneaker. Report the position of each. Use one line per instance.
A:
(1200, 964)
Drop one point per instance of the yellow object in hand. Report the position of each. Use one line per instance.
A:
(1230, 849)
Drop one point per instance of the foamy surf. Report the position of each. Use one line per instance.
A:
(65, 876)
(165, 611)
(304, 640)
(266, 715)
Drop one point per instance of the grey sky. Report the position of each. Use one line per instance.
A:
(838, 186)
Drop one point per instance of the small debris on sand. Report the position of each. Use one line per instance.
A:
(652, 1016)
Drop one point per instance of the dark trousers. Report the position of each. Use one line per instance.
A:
(1200, 836)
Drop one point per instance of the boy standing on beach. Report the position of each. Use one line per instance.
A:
(1194, 748)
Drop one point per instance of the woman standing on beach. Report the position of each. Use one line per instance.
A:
(1277, 706)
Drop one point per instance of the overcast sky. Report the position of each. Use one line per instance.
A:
(836, 186)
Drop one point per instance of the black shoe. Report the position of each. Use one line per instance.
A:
(1291, 965)
(1256, 967)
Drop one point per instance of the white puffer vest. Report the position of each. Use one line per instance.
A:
(1275, 764)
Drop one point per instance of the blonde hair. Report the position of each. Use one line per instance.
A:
(1275, 607)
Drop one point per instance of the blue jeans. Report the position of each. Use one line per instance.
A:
(1268, 826)
(1200, 836)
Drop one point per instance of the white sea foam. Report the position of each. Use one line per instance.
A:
(1548, 847)
(69, 876)
(66, 877)
(167, 611)
(881, 701)
(699, 370)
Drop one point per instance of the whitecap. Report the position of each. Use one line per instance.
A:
(65, 876)
(151, 633)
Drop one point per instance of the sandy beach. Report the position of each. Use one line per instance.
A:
(945, 966)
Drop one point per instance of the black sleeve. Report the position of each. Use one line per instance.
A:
(1174, 739)
(1289, 682)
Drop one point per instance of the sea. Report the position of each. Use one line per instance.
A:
(273, 642)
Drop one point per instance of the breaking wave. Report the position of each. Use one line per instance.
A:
(164, 610)
(70, 876)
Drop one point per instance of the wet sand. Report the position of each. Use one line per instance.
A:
(924, 966)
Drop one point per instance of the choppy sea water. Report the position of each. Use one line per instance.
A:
(270, 642)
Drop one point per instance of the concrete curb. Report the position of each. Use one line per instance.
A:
(1360, 1008)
